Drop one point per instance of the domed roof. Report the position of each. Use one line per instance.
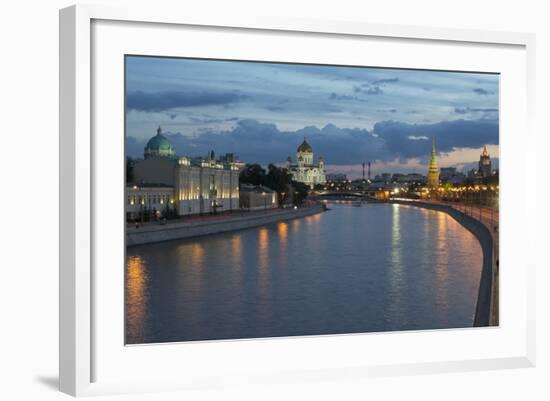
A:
(305, 147)
(159, 146)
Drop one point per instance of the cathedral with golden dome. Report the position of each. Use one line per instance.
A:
(305, 170)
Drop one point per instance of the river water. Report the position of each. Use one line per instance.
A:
(378, 267)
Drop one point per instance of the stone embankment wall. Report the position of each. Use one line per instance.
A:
(172, 231)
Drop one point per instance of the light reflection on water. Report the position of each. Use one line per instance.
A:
(373, 268)
(136, 296)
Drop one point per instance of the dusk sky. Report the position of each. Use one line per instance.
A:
(350, 115)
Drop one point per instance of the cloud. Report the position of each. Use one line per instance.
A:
(300, 106)
(257, 142)
(211, 120)
(448, 136)
(385, 81)
(134, 147)
(275, 108)
(466, 110)
(162, 101)
(367, 89)
(335, 96)
(481, 91)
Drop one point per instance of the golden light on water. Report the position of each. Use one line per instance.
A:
(282, 230)
(197, 255)
(296, 225)
(442, 262)
(396, 274)
(263, 262)
(396, 236)
(236, 252)
(136, 285)
(263, 248)
(236, 247)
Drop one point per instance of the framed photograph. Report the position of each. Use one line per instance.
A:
(273, 200)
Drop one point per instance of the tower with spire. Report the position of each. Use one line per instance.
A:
(433, 171)
(484, 169)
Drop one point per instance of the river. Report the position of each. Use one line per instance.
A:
(378, 267)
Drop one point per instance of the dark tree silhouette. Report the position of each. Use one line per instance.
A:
(129, 170)
(252, 174)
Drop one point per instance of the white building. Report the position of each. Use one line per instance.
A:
(163, 183)
(205, 186)
(257, 197)
(304, 170)
(153, 201)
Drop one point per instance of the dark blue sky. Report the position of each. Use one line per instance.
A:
(261, 111)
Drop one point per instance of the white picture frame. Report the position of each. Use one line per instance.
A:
(80, 374)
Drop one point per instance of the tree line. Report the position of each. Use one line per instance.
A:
(276, 178)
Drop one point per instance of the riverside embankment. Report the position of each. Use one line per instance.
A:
(486, 313)
(151, 233)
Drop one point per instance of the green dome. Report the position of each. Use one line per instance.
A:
(159, 142)
(159, 146)
(305, 147)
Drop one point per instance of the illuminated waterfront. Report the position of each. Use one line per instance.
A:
(378, 267)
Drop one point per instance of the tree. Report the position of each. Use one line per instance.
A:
(300, 192)
(129, 170)
(252, 174)
(278, 179)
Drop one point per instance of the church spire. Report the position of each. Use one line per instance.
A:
(433, 171)
(159, 131)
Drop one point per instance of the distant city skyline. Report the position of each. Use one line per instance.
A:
(350, 115)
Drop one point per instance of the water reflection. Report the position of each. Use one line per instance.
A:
(442, 264)
(296, 225)
(136, 296)
(197, 255)
(263, 262)
(236, 251)
(282, 231)
(396, 279)
(373, 268)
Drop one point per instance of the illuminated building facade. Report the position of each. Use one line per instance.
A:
(206, 185)
(304, 170)
(164, 184)
(156, 200)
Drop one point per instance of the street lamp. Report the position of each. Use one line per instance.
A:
(265, 200)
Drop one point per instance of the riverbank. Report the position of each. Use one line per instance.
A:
(486, 313)
(208, 225)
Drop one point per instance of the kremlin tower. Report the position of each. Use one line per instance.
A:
(433, 171)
